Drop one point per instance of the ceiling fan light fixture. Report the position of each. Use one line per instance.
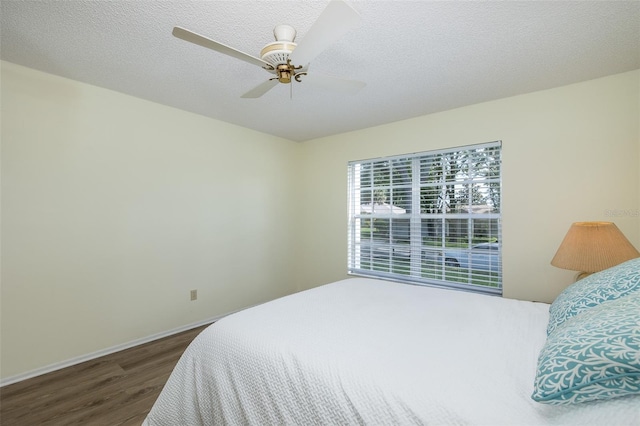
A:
(284, 73)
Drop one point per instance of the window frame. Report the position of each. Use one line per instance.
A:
(361, 250)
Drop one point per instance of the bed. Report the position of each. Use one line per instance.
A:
(367, 351)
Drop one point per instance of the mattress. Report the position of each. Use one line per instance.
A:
(365, 351)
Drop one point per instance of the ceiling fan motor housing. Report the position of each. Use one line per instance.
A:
(277, 53)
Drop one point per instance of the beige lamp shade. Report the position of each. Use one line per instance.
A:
(592, 247)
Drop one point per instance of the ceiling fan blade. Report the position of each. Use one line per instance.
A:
(335, 84)
(261, 89)
(218, 47)
(334, 22)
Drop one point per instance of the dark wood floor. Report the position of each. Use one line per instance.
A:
(117, 389)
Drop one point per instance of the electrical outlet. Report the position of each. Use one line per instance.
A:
(194, 295)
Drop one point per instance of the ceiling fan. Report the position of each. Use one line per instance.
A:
(288, 60)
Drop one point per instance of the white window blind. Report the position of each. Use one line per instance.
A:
(428, 218)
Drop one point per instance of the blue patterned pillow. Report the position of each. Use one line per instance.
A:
(595, 355)
(591, 291)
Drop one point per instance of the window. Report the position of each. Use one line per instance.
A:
(429, 218)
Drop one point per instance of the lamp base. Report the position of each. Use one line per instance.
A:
(581, 275)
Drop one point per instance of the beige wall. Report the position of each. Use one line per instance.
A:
(114, 208)
(569, 154)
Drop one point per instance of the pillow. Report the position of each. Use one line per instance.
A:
(609, 284)
(594, 355)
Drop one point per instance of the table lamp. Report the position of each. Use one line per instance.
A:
(590, 247)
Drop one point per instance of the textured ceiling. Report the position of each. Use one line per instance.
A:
(417, 57)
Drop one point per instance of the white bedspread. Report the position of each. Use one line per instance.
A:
(363, 351)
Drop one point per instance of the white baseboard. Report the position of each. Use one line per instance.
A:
(88, 357)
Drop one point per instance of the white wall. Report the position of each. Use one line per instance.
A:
(569, 154)
(114, 208)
